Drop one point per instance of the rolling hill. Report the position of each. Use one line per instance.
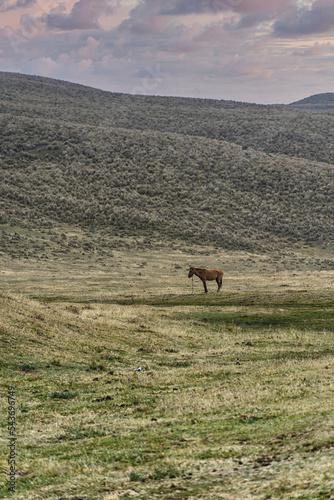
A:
(158, 170)
(318, 102)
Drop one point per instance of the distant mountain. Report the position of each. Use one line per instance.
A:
(76, 160)
(317, 102)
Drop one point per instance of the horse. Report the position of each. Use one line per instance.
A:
(207, 275)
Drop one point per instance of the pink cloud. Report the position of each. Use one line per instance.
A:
(84, 15)
(319, 50)
(90, 50)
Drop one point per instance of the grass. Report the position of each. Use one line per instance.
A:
(129, 382)
(233, 398)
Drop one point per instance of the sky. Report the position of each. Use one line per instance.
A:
(262, 51)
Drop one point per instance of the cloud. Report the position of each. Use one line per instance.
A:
(144, 20)
(319, 50)
(6, 5)
(318, 19)
(84, 15)
(185, 7)
(227, 49)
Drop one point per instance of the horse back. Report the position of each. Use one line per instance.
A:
(211, 274)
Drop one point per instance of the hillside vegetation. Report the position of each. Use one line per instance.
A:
(239, 176)
(318, 102)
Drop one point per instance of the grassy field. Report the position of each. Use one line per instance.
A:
(127, 381)
(233, 398)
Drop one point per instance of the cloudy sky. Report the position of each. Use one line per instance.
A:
(264, 51)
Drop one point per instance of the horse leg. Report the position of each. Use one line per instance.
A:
(204, 284)
(221, 280)
(218, 283)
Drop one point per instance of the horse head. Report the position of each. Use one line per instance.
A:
(191, 272)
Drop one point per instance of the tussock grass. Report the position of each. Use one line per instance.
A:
(233, 399)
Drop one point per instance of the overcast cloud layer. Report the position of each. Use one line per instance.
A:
(265, 51)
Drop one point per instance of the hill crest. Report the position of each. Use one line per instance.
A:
(319, 103)
(324, 98)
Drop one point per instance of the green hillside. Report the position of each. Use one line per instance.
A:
(318, 102)
(177, 170)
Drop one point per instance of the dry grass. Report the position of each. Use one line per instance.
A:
(234, 398)
(155, 272)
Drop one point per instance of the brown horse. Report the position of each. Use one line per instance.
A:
(207, 275)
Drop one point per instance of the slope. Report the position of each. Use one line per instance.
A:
(72, 155)
(318, 103)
